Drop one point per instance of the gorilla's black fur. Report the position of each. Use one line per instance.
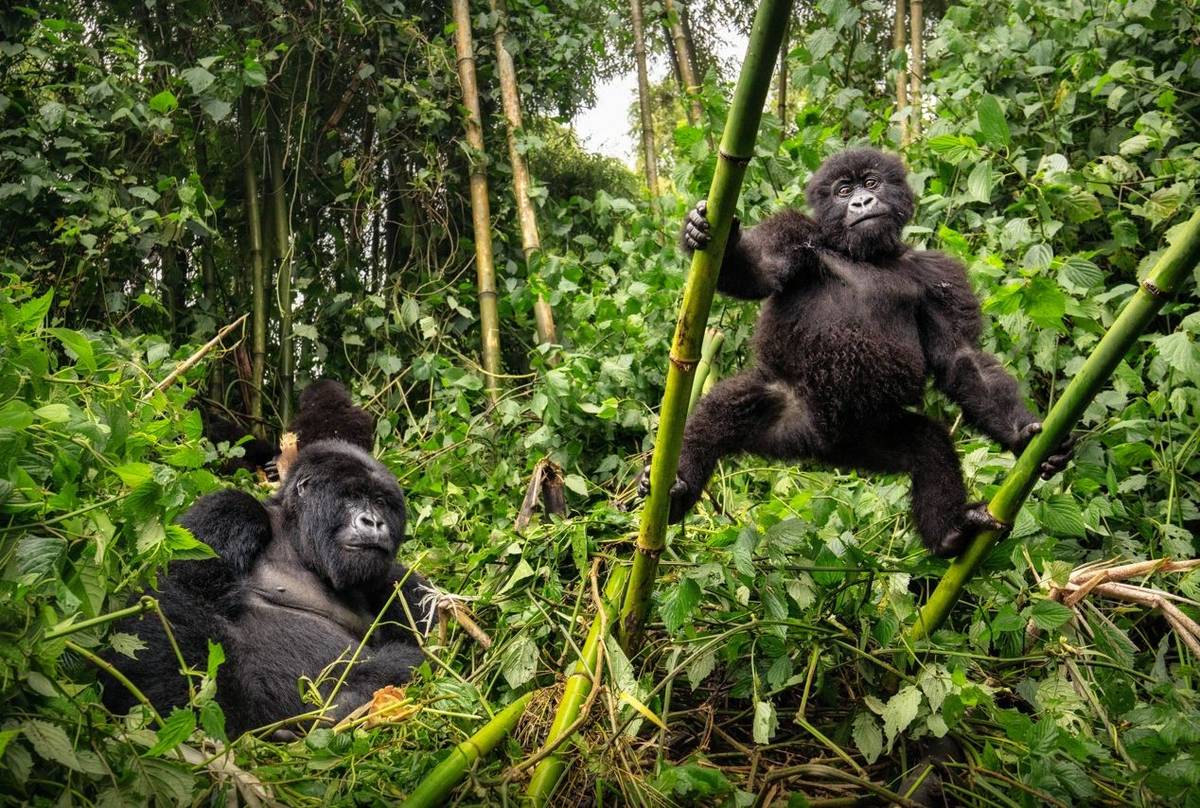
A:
(853, 324)
(326, 411)
(298, 581)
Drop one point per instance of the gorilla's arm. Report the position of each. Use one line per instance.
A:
(236, 525)
(950, 324)
(760, 260)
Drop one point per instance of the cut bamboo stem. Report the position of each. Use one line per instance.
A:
(187, 364)
(579, 687)
(437, 785)
(737, 147)
(708, 354)
(1162, 282)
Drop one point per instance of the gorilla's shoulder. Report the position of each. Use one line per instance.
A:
(234, 524)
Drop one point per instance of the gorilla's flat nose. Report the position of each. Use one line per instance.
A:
(368, 524)
(862, 202)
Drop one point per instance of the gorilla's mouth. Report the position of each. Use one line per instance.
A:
(362, 546)
(867, 217)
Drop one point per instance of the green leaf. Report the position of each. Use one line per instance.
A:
(212, 720)
(900, 711)
(1059, 515)
(198, 79)
(1178, 351)
(78, 345)
(216, 658)
(51, 743)
(953, 148)
(184, 546)
(743, 550)
(980, 182)
(678, 603)
(253, 73)
(15, 414)
(519, 662)
(134, 474)
(1050, 614)
(576, 484)
(992, 124)
(164, 103)
(176, 729)
(54, 413)
(700, 667)
(216, 109)
(765, 722)
(867, 736)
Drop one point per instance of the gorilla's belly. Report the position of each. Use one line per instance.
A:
(851, 372)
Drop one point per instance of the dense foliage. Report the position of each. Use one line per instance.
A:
(1059, 146)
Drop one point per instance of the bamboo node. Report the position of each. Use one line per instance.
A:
(1154, 290)
(652, 552)
(734, 158)
(686, 365)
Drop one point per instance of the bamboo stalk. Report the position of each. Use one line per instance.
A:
(187, 364)
(258, 277)
(481, 214)
(898, 46)
(737, 147)
(708, 353)
(915, 68)
(531, 240)
(1162, 281)
(283, 280)
(649, 155)
(781, 92)
(437, 785)
(578, 688)
(687, 68)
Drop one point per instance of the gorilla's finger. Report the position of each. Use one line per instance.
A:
(643, 482)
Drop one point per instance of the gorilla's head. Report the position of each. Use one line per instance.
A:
(861, 202)
(344, 513)
(327, 411)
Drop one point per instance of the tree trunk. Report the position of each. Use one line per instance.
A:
(276, 142)
(639, 51)
(781, 92)
(899, 56)
(915, 67)
(687, 66)
(1171, 270)
(258, 280)
(531, 241)
(489, 317)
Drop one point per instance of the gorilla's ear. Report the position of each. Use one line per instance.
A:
(300, 485)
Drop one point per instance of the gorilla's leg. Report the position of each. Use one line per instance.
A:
(750, 412)
(922, 448)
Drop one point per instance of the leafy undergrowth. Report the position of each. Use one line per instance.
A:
(775, 668)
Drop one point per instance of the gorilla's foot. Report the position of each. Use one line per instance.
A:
(975, 519)
(682, 499)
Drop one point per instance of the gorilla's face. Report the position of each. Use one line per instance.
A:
(344, 512)
(861, 202)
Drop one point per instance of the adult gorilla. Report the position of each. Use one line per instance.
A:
(298, 581)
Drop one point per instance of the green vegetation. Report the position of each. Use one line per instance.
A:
(163, 167)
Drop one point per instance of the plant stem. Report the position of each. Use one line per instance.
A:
(437, 785)
(737, 147)
(708, 353)
(1162, 281)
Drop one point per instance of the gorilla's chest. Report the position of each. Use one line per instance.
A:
(279, 592)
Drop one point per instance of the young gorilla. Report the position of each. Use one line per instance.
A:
(298, 581)
(853, 324)
(326, 411)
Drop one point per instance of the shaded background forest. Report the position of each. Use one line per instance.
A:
(167, 167)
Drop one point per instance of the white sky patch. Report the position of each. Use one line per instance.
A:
(604, 128)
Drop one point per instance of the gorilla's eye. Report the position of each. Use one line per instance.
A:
(871, 182)
(843, 190)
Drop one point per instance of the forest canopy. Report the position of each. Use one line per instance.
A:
(502, 302)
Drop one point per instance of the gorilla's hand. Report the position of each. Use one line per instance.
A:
(1054, 463)
(682, 498)
(696, 233)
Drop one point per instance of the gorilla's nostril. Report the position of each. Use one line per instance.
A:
(368, 522)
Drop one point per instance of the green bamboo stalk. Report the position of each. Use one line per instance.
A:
(481, 214)
(708, 354)
(258, 273)
(437, 785)
(737, 147)
(1162, 281)
(575, 693)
